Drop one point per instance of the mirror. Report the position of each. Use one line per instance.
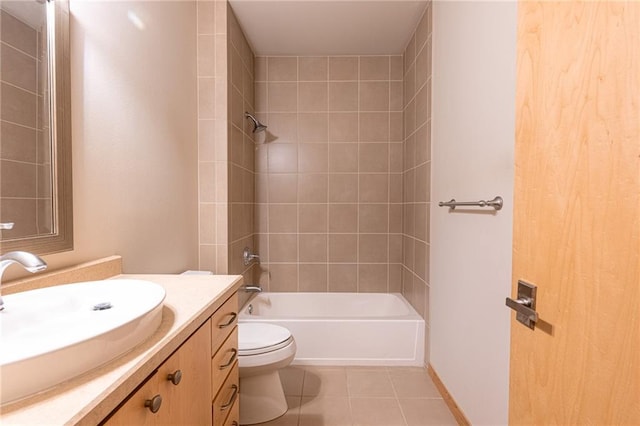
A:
(35, 126)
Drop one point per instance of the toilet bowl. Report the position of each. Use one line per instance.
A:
(263, 349)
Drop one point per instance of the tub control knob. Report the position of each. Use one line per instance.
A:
(175, 377)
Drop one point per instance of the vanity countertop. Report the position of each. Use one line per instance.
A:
(89, 398)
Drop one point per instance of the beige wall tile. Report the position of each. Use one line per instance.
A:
(372, 278)
(283, 127)
(283, 188)
(312, 96)
(343, 218)
(312, 188)
(283, 218)
(260, 68)
(343, 96)
(343, 277)
(18, 106)
(422, 106)
(373, 248)
(343, 157)
(206, 179)
(206, 98)
(19, 35)
(343, 127)
(343, 248)
(312, 218)
(18, 68)
(395, 278)
(423, 144)
(397, 68)
(282, 68)
(396, 100)
(373, 218)
(420, 254)
(282, 97)
(410, 53)
(423, 184)
(343, 188)
(312, 247)
(374, 188)
(282, 158)
(373, 157)
(374, 127)
(374, 68)
(374, 96)
(313, 68)
(206, 17)
(313, 157)
(283, 277)
(312, 277)
(283, 248)
(18, 143)
(313, 127)
(395, 217)
(343, 68)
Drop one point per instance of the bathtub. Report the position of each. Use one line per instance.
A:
(344, 328)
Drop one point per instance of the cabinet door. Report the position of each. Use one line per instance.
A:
(183, 384)
(137, 409)
(189, 399)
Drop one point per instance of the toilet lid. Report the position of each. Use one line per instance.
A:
(257, 338)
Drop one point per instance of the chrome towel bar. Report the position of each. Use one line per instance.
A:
(496, 203)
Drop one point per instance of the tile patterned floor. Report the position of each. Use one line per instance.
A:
(361, 396)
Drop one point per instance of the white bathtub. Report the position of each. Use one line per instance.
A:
(344, 328)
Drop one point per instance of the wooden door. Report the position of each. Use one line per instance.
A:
(577, 214)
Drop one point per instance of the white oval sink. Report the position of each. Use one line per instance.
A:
(53, 334)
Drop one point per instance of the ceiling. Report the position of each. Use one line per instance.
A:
(328, 27)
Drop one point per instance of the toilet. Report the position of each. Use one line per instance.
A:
(263, 349)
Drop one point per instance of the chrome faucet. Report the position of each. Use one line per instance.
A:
(251, 288)
(28, 261)
(249, 257)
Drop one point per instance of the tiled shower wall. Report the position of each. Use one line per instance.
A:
(329, 173)
(417, 168)
(225, 141)
(24, 132)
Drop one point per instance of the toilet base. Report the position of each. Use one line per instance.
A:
(261, 398)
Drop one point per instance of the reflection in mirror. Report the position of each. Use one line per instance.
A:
(35, 126)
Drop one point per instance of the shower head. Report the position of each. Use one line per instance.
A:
(258, 126)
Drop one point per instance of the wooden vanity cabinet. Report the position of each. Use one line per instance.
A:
(179, 389)
(197, 385)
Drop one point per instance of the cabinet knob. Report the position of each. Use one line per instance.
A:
(154, 403)
(175, 377)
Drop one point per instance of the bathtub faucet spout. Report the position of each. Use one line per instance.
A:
(251, 288)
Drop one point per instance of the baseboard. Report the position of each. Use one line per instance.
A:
(448, 399)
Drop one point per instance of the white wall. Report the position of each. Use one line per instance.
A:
(474, 53)
(134, 103)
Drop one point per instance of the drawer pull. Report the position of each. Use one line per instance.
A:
(175, 377)
(154, 403)
(234, 394)
(234, 355)
(228, 323)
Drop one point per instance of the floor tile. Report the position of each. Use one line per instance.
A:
(292, 379)
(325, 382)
(376, 412)
(290, 418)
(369, 383)
(425, 412)
(413, 383)
(325, 411)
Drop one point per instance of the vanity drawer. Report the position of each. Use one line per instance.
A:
(234, 415)
(223, 403)
(223, 361)
(223, 322)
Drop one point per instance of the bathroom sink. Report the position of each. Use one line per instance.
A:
(53, 334)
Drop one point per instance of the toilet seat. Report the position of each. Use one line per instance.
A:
(261, 338)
